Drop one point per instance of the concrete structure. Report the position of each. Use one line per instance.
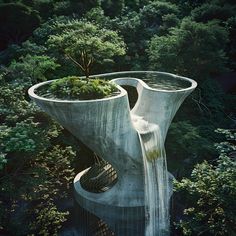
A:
(108, 127)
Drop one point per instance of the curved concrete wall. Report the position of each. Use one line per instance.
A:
(107, 126)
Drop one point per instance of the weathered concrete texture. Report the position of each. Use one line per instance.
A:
(106, 127)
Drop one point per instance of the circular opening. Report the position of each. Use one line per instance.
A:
(99, 178)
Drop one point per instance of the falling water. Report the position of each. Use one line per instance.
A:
(156, 178)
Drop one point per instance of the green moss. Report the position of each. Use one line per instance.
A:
(154, 154)
(73, 87)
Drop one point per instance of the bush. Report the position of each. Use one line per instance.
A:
(210, 194)
(73, 87)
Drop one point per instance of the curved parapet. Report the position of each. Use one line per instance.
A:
(112, 131)
(155, 104)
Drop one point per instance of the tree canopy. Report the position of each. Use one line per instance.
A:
(210, 193)
(198, 46)
(87, 44)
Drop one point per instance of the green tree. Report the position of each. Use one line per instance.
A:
(187, 5)
(45, 8)
(211, 194)
(13, 105)
(74, 7)
(152, 14)
(154, 18)
(129, 25)
(194, 49)
(113, 8)
(136, 4)
(97, 16)
(32, 69)
(209, 11)
(48, 220)
(50, 27)
(86, 44)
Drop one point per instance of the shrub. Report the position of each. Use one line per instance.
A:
(73, 87)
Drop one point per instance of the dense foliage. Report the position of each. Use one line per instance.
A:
(31, 182)
(38, 158)
(199, 46)
(86, 44)
(210, 194)
(75, 88)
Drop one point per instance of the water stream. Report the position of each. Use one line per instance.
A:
(156, 178)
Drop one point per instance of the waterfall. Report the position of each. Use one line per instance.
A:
(156, 178)
(105, 127)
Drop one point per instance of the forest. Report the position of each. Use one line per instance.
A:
(196, 39)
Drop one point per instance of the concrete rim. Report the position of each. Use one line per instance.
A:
(193, 85)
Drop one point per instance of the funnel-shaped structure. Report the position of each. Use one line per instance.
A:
(113, 132)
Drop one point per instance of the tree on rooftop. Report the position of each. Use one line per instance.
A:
(86, 44)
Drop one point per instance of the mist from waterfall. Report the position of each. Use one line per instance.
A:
(157, 190)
